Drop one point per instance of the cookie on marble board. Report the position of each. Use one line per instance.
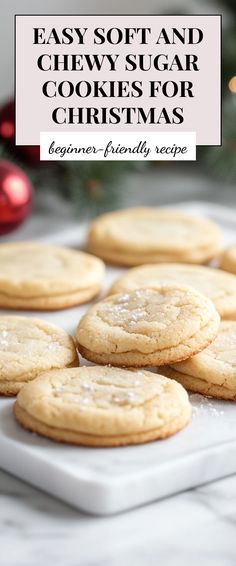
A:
(29, 347)
(212, 372)
(137, 236)
(103, 406)
(37, 276)
(228, 259)
(216, 284)
(147, 327)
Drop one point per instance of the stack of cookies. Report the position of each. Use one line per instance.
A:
(163, 314)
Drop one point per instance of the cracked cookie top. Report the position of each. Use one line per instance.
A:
(217, 363)
(29, 346)
(104, 400)
(147, 320)
(216, 284)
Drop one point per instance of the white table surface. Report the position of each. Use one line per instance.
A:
(194, 528)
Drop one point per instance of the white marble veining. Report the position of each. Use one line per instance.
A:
(107, 481)
(193, 528)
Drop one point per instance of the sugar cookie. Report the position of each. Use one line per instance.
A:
(216, 284)
(213, 371)
(44, 277)
(28, 347)
(153, 235)
(228, 259)
(148, 327)
(101, 406)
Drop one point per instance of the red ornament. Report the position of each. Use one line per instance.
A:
(15, 196)
(30, 153)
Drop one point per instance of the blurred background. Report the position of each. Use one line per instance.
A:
(49, 197)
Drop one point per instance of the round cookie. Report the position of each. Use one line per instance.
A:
(153, 235)
(28, 347)
(148, 327)
(216, 284)
(228, 259)
(103, 406)
(44, 277)
(212, 372)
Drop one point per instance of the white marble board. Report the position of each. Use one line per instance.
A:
(106, 481)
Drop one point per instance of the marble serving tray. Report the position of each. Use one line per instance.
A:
(106, 481)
